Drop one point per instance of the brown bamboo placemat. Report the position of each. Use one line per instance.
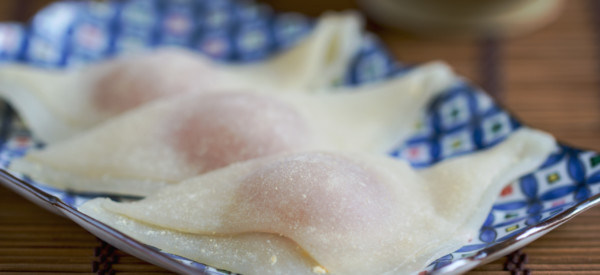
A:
(549, 79)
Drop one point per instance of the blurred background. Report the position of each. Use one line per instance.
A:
(539, 59)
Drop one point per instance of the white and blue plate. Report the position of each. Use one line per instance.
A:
(460, 121)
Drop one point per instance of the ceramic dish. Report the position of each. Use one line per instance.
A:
(460, 121)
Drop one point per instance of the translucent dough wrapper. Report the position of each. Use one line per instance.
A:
(57, 104)
(183, 136)
(347, 213)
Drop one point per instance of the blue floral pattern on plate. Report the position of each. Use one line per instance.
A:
(460, 121)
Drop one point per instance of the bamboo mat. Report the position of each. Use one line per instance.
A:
(549, 79)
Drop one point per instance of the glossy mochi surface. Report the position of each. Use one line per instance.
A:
(348, 213)
(214, 134)
(183, 136)
(57, 104)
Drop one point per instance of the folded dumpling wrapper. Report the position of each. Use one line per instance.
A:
(57, 104)
(324, 212)
(184, 136)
